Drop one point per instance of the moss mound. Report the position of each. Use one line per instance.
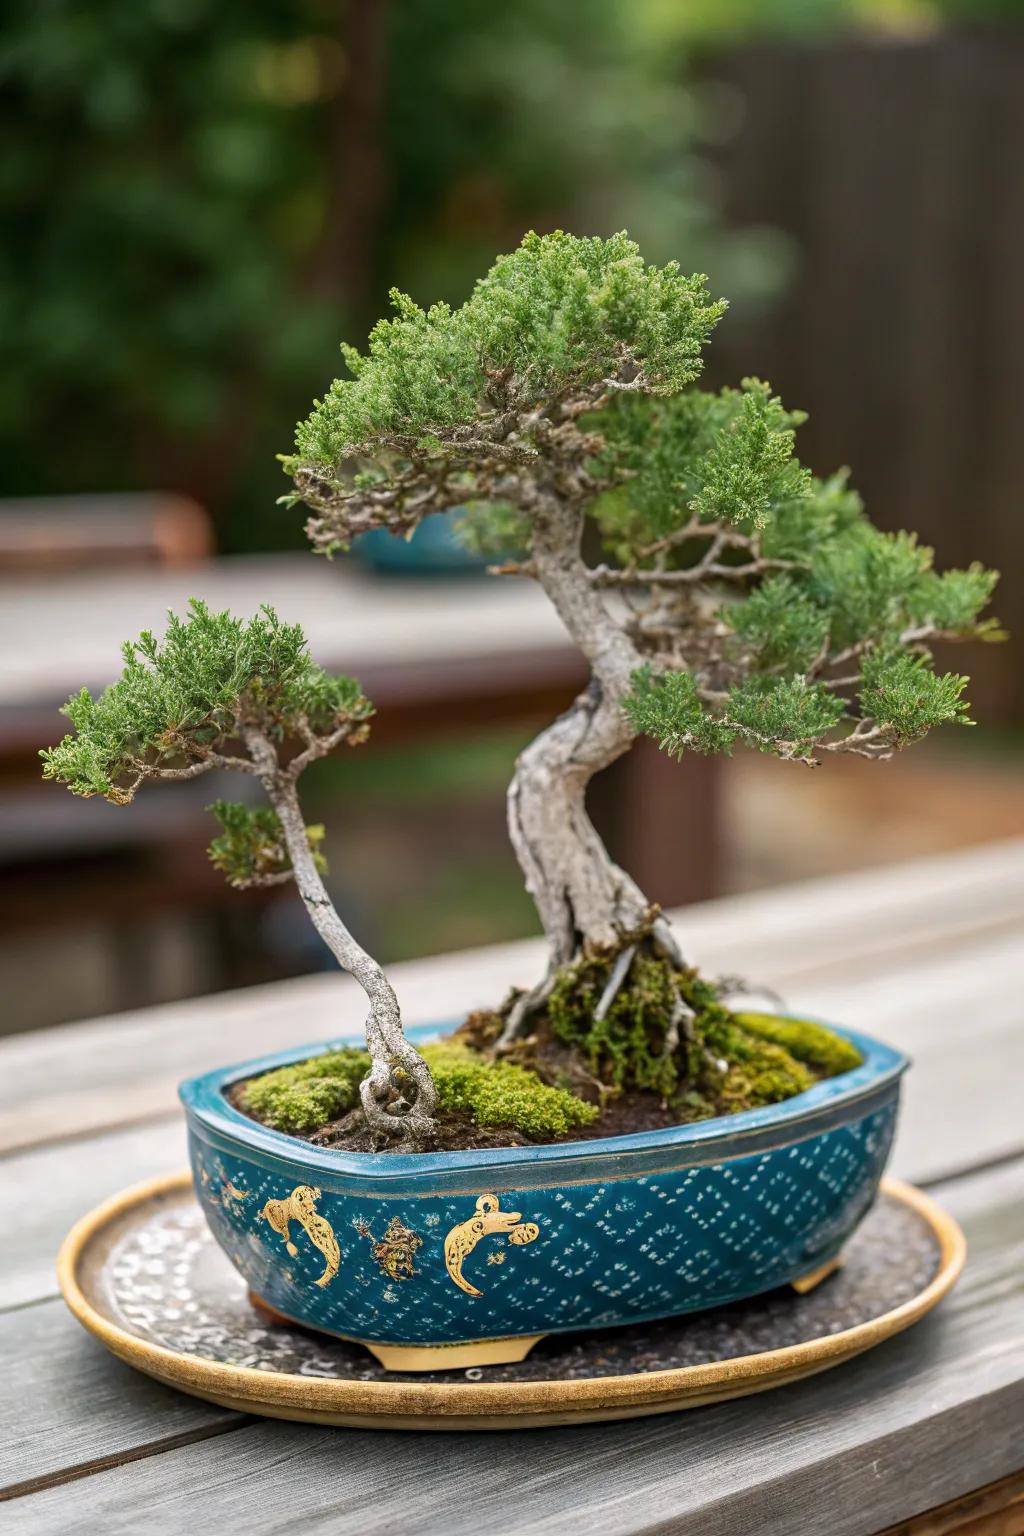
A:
(626, 1048)
(303, 1098)
(701, 1058)
(758, 1071)
(828, 1053)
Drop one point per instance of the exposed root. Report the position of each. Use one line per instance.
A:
(620, 970)
(652, 933)
(522, 1008)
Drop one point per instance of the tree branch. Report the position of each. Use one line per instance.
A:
(320, 746)
(280, 877)
(396, 1066)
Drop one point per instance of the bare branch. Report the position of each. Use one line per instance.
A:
(320, 746)
(158, 771)
(704, 570)
(867, 739)
(279, 877)
(637, 386)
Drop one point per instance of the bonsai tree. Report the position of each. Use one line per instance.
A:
(741, 600)
(217, 692)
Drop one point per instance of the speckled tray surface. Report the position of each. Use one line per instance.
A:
(144, 1274)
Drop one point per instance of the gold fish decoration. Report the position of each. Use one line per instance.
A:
(300, 1206)
(489, 1220)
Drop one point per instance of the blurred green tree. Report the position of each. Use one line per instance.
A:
(178, 174)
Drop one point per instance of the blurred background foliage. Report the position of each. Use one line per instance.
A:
(204, 195)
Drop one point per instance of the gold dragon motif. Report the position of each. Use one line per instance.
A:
(300, 1206)
(489, 1220)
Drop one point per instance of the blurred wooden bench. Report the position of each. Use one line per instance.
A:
(74, 532)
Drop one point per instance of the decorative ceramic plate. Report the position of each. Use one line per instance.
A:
(143, 1273)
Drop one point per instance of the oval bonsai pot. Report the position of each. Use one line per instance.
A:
(456, 1258)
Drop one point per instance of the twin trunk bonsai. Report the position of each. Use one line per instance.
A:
(739, 599)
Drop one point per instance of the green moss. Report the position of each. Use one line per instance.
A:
(500, 1093)
(310, 1094)
(759, 1071)
(626, 1048)
(766, 1059)
(828, 1053)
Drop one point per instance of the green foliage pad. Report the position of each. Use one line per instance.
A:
(776, 616)
(556, 314)
(186, 694)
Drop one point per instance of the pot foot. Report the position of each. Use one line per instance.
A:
(421, 1357)
(804, 1283)
(452, 1357)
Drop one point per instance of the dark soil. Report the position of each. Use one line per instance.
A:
(454, 1134)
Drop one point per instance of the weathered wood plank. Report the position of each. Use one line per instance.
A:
(961, 1020)
(996, 1510)
(55, 1185)
(69, 1405)
(919, 1421)
(802, 940)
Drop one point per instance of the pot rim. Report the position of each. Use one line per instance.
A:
(833, 1101)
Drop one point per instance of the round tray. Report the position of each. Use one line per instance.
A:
(143, 1273)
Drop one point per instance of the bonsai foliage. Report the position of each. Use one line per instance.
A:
(741, 600)
(218, 692)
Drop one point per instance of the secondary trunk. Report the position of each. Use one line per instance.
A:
(396, 1066)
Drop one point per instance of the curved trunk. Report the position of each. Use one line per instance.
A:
(582, 896)
(395, 1063)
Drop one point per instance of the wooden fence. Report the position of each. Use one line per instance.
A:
(898, 170)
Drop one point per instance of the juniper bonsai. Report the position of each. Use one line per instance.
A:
(741, 598)
(224, 693)
(218, 692)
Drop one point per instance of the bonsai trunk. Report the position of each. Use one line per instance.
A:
(584, 899)
(582, 896)
(395, 1064)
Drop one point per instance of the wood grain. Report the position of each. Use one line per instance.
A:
(57, 1184)
(927, 955)
(887, 1436)
(123, 1413)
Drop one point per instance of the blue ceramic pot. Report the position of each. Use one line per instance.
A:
(462, 1257)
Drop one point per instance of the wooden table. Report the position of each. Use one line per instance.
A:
(926, 955)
